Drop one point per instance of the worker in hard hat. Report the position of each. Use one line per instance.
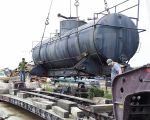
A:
(22, 69)
(115, 68)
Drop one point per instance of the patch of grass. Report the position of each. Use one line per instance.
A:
(96, 92)
(47, 87)
(108, 95)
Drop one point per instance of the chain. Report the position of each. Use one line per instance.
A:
(106, 7)
(46, 23)
(76, 3)
(77, 33)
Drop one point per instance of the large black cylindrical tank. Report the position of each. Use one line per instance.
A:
(113, 36)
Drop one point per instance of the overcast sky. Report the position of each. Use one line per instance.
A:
(22, 24)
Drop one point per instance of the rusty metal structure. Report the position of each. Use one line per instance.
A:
(131, 94)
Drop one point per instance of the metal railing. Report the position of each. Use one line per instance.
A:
(136, 5)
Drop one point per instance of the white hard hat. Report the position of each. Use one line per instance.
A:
(109, 61)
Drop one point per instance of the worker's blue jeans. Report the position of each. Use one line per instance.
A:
(22, 76)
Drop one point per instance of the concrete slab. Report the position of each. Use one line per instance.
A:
(66, 104)
(101, 108)
(60, 111)
(33, 85)
(22, 95)
(42, 103)
(4, 88)
(4, 91)
(91, 118)
(76, 112)
(13, 91)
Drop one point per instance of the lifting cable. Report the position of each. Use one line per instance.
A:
(106, 6)
(46, 23)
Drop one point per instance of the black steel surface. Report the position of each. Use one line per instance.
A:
(113, 36)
